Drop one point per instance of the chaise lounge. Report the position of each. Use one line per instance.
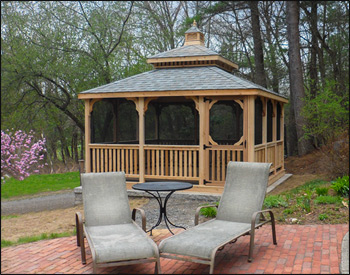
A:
(239, 213)
(113, 236)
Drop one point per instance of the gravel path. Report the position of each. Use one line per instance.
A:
(180, 211)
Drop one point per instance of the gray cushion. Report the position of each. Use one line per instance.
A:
(244, 191)
(105, 199)
(199, 241)
(120, 242)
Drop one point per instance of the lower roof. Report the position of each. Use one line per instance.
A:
(179, 79)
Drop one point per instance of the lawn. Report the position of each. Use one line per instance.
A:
(34, 184)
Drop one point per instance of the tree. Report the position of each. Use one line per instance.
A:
(20, 155)
(296, 81)
(259, 76)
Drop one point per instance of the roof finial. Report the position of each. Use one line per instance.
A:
(194, 23)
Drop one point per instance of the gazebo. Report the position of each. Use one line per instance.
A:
(184, 120)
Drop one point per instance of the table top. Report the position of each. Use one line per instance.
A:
(162, 186)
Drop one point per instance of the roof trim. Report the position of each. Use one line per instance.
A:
(192, 58)
(227, 92)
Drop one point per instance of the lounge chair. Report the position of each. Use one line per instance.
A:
(238, 214)
(112, 234)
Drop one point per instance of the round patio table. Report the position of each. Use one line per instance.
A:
(164, 186)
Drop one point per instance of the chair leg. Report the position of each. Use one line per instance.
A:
(273, 226)
(251, 246)
(77, 229)
(82, 247)
(94, 268)
(157, 269)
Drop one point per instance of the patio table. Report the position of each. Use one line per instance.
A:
(165, 186)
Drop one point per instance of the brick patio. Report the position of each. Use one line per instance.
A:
(300, 249)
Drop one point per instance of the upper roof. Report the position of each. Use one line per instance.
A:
(189, 50)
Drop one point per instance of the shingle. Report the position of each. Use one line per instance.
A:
(189, 50)
(179, 79)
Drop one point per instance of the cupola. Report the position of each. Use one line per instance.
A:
(194, 36)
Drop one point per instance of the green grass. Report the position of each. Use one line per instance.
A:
(30, 239)
(8, 217)
(39, 183)
(328, 200)
(275, 201)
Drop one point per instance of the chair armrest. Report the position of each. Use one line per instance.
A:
(79, 227)
(143, 217)
(196, 216)
(272, 217)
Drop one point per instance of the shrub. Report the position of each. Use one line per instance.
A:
(322, 191)
(322, 217)
(275, 201)
(327, 200)
(341, 186)
(209, 212)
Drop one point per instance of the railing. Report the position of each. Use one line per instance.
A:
(270, 152)
(171, 162)
(111, 158)
(218, 160)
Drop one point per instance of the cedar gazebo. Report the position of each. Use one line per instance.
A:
(183, 120)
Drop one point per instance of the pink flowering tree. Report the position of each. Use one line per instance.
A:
(20, 154)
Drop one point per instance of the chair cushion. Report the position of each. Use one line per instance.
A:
(244, 191)
(105, 199)
(201, 240)
(119, 242)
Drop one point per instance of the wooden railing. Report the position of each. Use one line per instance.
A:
(171, 162)
(270, 152)
(218, 160)
(111, 158)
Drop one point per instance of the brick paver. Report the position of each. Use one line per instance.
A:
(307, 249)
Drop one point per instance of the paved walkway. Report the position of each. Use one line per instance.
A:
(300, 249)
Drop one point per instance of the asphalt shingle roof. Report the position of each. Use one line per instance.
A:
(178, 79)
(189, 50)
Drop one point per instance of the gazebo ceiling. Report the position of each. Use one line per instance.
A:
(192, 68)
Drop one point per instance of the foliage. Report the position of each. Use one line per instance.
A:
(327, 200)
(341, 186)
(20, 155)
(275, 201)
(322, 217)
(321, 191)
(327, 114)
(39, 183)
(304, 201)
(209, 212)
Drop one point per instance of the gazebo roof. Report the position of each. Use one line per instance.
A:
(192, 67)
(179, 79)
(188, 50)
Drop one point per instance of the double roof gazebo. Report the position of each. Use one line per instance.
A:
(184, 120)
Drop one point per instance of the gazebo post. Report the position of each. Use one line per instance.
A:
(202, 133)
(87, 136)
(250, 127)
(141, 112)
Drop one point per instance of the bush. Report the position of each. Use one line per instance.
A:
(321, 191)
(327, 200)
(322, 217)
(275, 201)
(209, 212)
(341, 186)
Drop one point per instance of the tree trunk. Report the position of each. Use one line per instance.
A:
(314, 46)
(296, 75)
(259, 76)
